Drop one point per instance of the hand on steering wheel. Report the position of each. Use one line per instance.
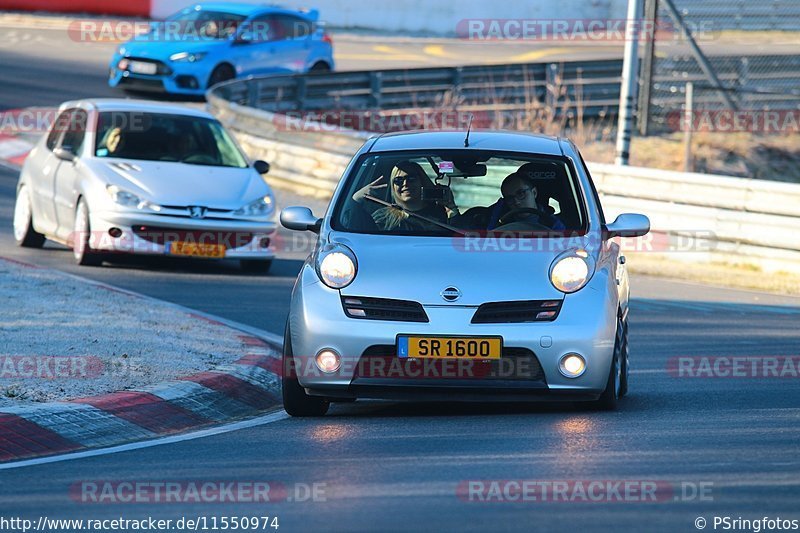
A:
(514, 213)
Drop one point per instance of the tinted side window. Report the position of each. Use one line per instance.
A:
(59, 126)
(594, 189)
(76, 131)
(266, 29)
(294, 27)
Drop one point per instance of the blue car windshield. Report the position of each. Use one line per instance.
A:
(203, 24)
(460, 191)
(165, 137)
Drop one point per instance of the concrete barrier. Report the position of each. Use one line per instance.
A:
(710, 218)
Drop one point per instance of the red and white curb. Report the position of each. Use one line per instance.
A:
(245, 388)
(14, 150)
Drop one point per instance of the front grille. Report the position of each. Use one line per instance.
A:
(142, 84)
(517, 311)
(383, 309)
(516, 364)
(162, 235)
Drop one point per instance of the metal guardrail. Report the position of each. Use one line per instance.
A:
(579, 89)
(592, 85)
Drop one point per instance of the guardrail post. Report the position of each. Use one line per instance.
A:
(300, 92)
(253, 94)
(375, 88)
(551, 94)
(458, 74)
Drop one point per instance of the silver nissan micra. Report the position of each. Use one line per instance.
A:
(460, 266)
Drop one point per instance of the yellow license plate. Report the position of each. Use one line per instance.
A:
(424, 347)
(194, 249)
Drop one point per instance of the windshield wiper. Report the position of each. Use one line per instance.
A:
(416, 215)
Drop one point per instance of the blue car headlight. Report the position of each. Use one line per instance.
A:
(187, 57)
(257, 208)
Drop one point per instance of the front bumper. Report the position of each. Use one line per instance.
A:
(183, 79)
(586, 325)
(243, 239)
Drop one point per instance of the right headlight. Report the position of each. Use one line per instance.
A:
(336, 265)
(571, 270)
(127, 199)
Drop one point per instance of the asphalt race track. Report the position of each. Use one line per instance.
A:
(399, 466)
(722, 446)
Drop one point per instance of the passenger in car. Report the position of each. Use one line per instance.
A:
(405, 183)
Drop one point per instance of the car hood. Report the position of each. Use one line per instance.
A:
(484, 270)
(163, 49)
(181, 184)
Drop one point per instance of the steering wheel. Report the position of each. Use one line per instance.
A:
(511, 215)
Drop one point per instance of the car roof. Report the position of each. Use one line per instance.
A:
(507, 141)
(129, 104)
(244, 9)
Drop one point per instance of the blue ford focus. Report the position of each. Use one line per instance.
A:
(209, 43)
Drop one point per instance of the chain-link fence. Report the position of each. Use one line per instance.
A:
(741, 56)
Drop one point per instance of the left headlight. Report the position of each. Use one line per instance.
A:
(188, 57)
(336, 265)
(257, 208)
(128, 199)
(571, 270)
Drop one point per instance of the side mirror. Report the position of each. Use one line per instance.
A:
(262, 167)
(300, 219)
(65, 154)
(628, 225)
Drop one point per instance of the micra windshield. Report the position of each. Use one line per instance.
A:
(165, 137)
(459, 192)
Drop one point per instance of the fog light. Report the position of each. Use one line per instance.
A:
(572, 365)
(115, 232)
(264, 242)
(328, 361)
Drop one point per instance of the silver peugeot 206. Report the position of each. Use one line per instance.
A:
(132, 177)
(460, 266)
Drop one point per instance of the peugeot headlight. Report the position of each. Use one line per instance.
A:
(571, 270)
(187, 57)
(127, 199)
(336, 265)
(257, 208)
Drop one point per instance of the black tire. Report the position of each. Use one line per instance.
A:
(624, 358)
(24, 234)
(613, 392)
(82, 251)
(320, 67)
(295, 400)
(256, 266)
(220, 74)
